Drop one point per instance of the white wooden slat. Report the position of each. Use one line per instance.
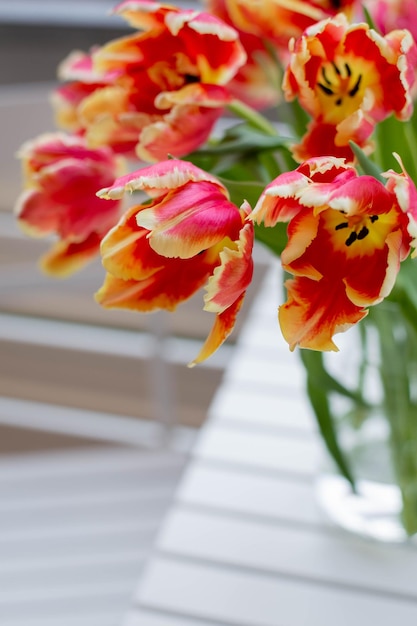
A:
(253, 368)
(119, 495)
(109, 342)
(105, 484)
(90, 618)
(273, 407)
(26, 564)
(14, 502)
(95, 425)
(260, 451)
(74, 518)
(151, 618)
(253, 598)
(329, 557)
(59, 579)
(74, 530)
(32, 546)
(83, 464)
(83, 597)
(248, 494)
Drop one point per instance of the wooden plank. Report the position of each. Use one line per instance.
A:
(249, 494)
(83, 596)
(87, 380)
(57, 580)
(91, 618)
(95, 426)
(201, 591)
(72, 517)
(254, 368)
(107, 462)
(142, 617)
(26, 565)
(270, 408)
(297, 455)
(328, 557)
(75, 531)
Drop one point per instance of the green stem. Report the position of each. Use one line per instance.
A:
(410, 140)
(319, 385)
(254, 118)
(398, 341)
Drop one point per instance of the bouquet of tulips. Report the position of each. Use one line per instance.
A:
(286, 122)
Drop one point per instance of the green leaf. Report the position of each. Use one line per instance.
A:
(368, 166)
(243, 138)
(239, 190)
(273, 238)
(318, 392)
(369, 19)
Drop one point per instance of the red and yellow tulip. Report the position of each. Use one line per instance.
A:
(186, 236)
(62, 176)
(157, 92)
(348, 77)
(347, 235)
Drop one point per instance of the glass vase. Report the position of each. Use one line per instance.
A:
(368, 482)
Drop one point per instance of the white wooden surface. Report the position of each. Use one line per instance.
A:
(245, 543)
(75, 528)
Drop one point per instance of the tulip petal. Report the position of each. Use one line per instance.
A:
(194, 218)
(157, 179)
(314, 312)
(67, 257)
(232, 277)
(166, 288)
(222, 327)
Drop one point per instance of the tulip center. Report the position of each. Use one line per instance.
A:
(356, 227)
(358, 233)
(339, 89)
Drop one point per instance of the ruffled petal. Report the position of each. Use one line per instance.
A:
(234, 274)
(222, 327)
(67, 257)
(190, 219)
(157, 179)
(314, 312)
(181, 131)
(125, 250)
(165, 289)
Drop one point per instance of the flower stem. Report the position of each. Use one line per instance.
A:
(398, 342)
(254, 118)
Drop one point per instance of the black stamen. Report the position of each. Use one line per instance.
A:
(351, 239)
(356, 86)
(363, 233)
(326, 78)
(327, 90)
(191, 78)
(336, 69)
(374, 218)
(341, 225)
(348, 70)
(339, 101)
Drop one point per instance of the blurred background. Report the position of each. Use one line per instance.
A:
(98, 410)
